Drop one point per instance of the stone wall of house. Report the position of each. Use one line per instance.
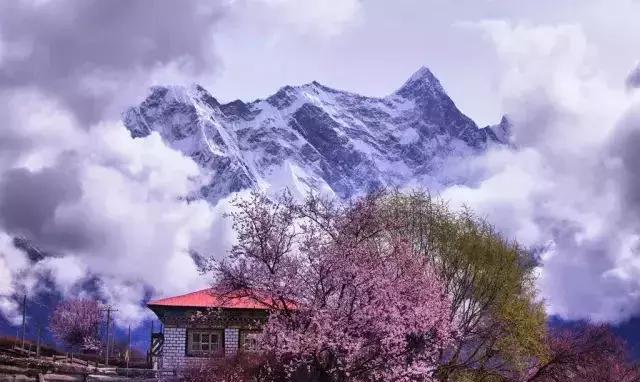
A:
(176, 322)
(231, 341)
(173, 351)
(174, 356)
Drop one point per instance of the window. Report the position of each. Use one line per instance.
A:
(249, 340)
(204, 342)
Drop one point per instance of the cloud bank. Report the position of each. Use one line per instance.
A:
(105, 207)
(570, 187)
(109, 211)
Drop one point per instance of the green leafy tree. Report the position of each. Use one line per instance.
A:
(491, 282)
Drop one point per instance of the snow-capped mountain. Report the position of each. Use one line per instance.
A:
(314, 137)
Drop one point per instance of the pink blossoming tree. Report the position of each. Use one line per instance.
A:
(76, 322)
(350, 300)
(590, 353)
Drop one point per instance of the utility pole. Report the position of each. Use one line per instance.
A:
(128, 354)
(106, 357)
(38, 341)
(149, 356)
(109, 309)
(113, 339)
(24, 317)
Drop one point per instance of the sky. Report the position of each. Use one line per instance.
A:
(371, 47)
(109, 208)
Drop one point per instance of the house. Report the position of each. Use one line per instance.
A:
(204, 324)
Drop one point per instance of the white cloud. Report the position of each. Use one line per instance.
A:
(322, 19)
(129, 223)
(12, 262)
(565, 186)
(326, 18)
(110, 211)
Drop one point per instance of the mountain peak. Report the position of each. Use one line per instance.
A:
(318, 86)
(421, 74)
(312, 138)
(420, 83)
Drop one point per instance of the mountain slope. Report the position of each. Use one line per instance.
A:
(313, 137)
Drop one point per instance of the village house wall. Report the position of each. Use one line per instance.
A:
(174, 352)
(231, 341)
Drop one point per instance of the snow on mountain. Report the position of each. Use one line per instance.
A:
(314, 137)
(502, 131)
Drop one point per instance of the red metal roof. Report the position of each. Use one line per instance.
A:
(208, 298)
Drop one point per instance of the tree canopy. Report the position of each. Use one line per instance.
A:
(489, 279)
(76, 322)
(397, 286)
(366, 306)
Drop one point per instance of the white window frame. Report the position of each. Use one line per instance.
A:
(248, 335)
(197, 346)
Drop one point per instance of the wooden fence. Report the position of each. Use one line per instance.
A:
(18, 365)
